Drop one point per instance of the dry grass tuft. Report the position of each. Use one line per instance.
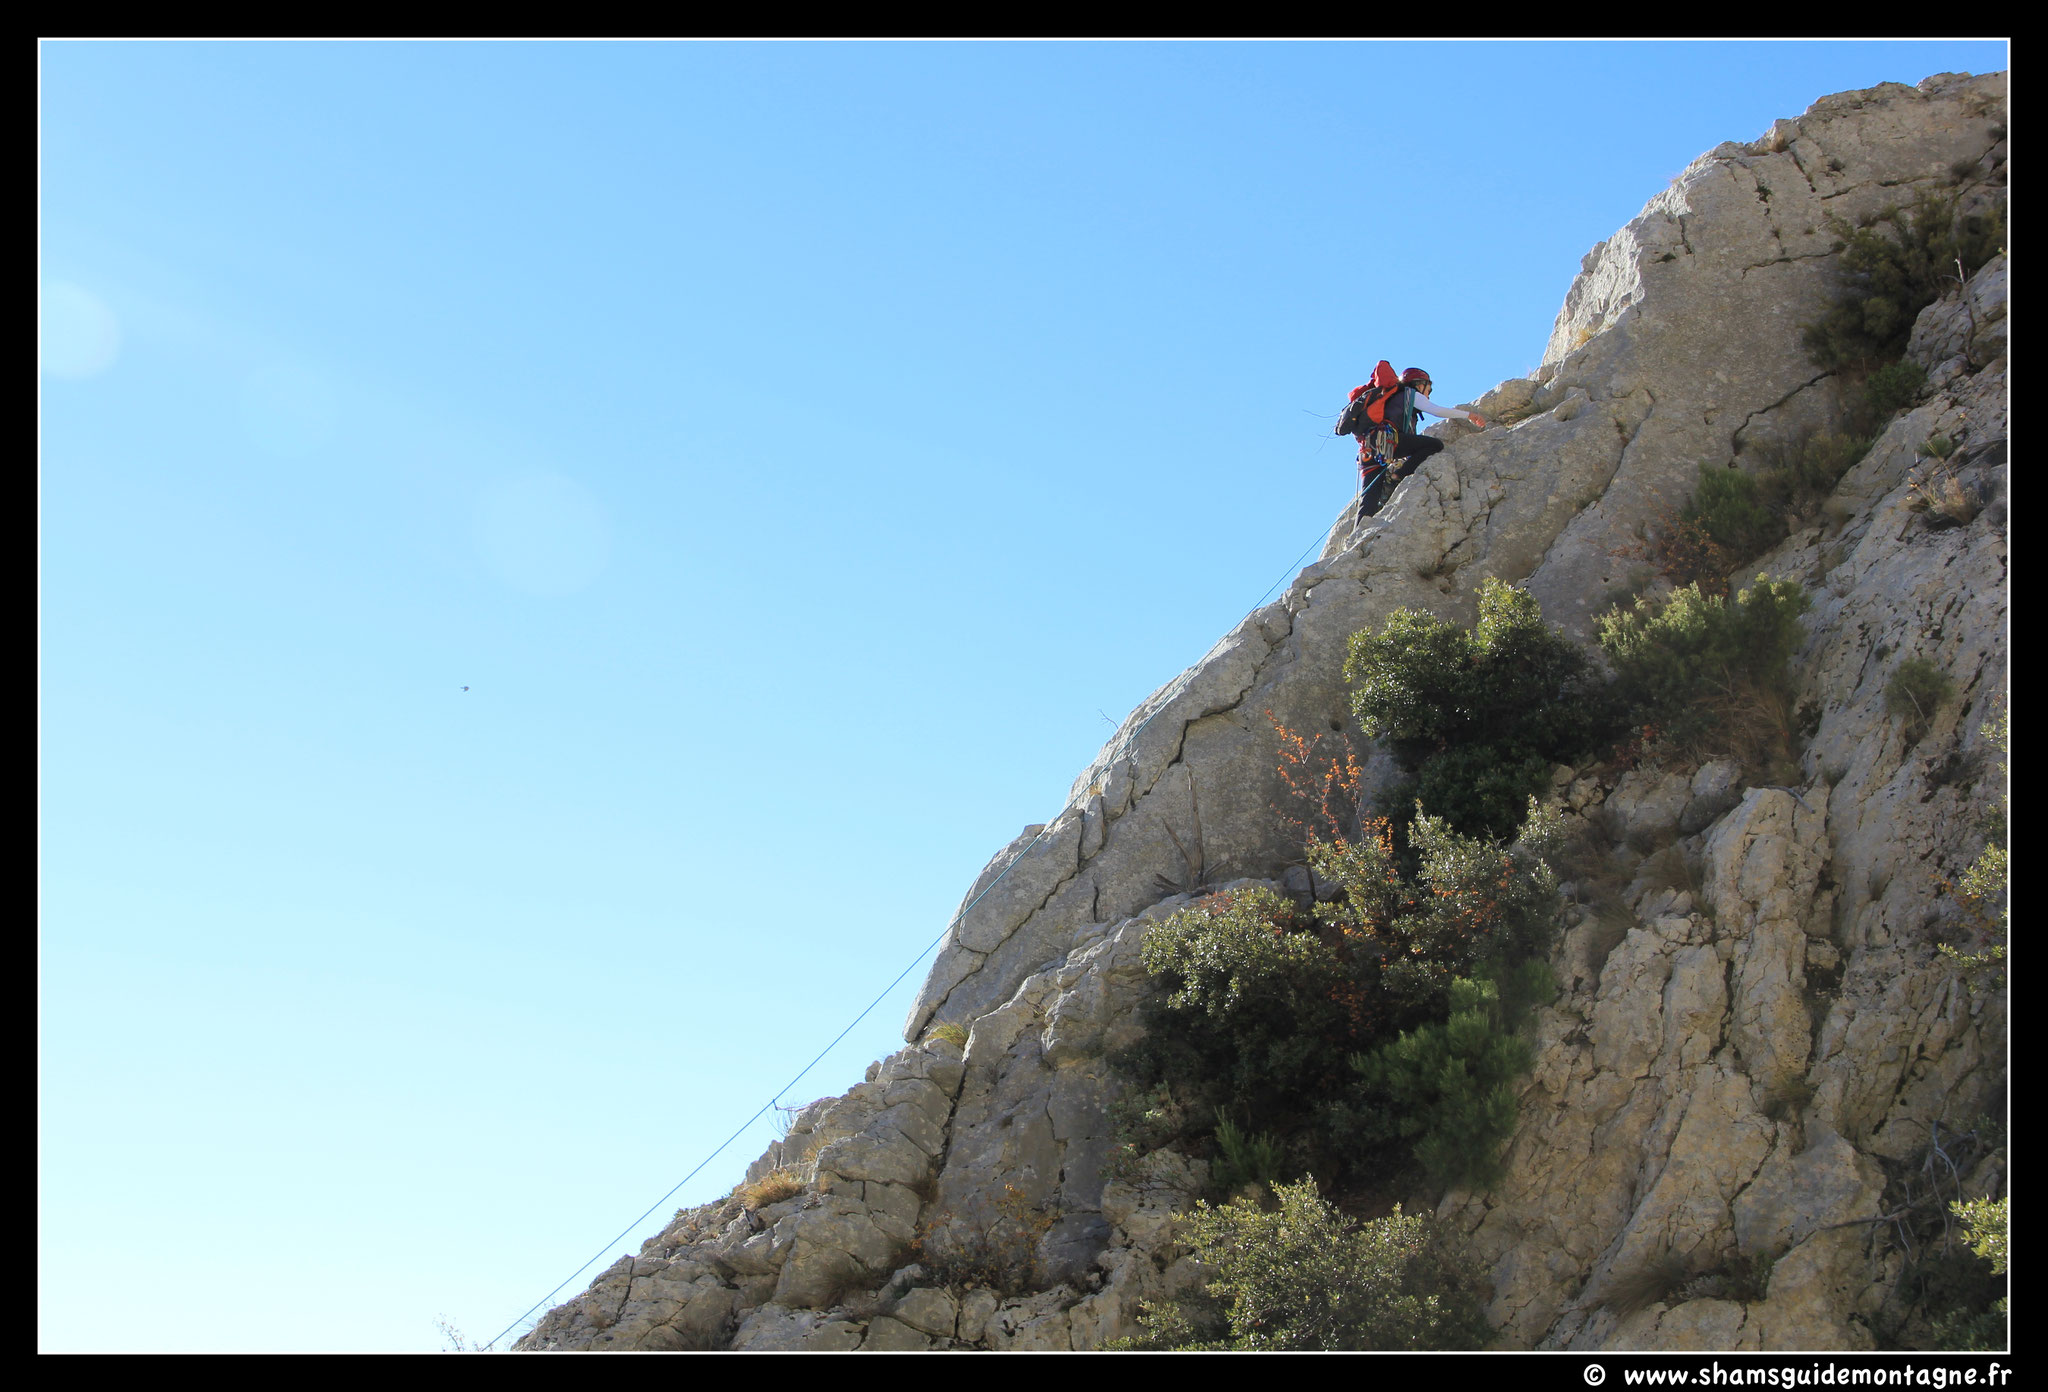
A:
(1599, 876)
(1941, 497)
(1750, 723)
(1669, 868)
(1610, 924)
(1656, 1280)
(993, 1244)
(1648, 840)
(773, 1187)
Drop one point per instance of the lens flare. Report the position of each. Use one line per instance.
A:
(78, 335)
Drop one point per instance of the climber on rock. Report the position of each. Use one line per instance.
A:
(1386, 416)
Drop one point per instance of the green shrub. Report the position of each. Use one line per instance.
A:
(1450, 1084)
(1242, 1159)
(1302, 1277)
(1480, 716)
(1987, 1226)
(1734, 517)
(1264, 1003)
(1482, 786)
(1892, 267)
(1970, 1305)
(1472, 903)
(1729, 506)
(1915, 692)
(1252, 994)
(1240, 957)
(1893, 387)
(1140, 1123)
(1796, 475)
(1699, 667)
(1986, 885)
(1988, 878)
(1962, 1330)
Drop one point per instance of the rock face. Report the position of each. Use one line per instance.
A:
(1730, 1079)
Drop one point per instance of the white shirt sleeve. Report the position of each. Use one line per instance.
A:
(1423, 403)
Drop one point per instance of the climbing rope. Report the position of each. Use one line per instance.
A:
(1123, 746)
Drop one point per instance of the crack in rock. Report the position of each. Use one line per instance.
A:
(1176, 752)
(1735, 437)
(1788, 259)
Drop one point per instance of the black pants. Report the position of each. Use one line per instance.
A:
(1376, 486)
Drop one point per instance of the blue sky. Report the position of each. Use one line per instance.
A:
(801, 453)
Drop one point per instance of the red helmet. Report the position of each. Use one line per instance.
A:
(1414, 375)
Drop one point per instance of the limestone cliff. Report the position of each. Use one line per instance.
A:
(1749, 1067)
